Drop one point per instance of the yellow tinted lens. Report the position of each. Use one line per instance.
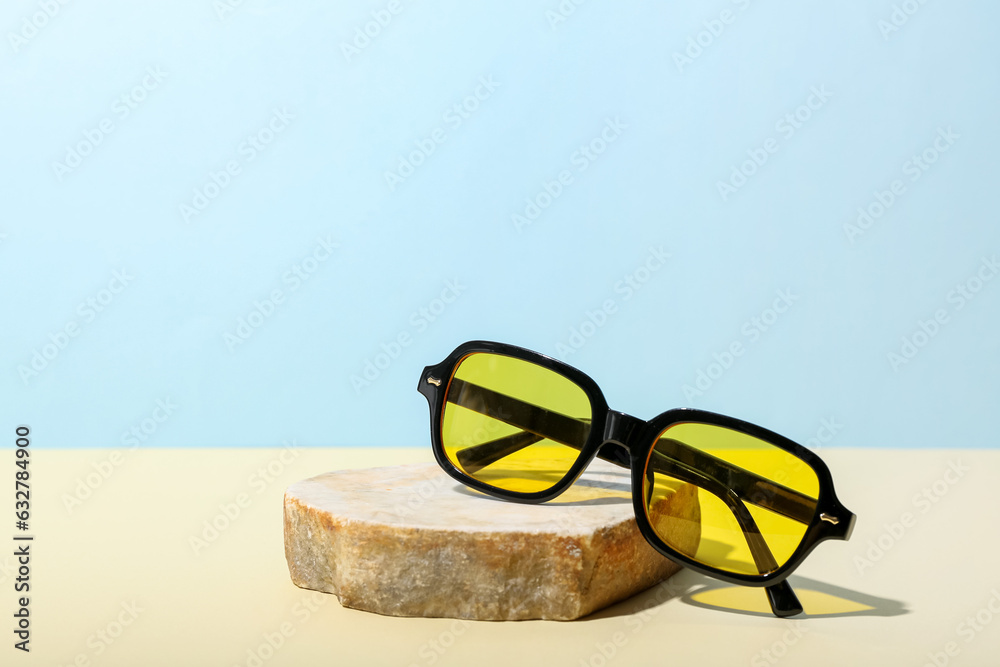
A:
(513, 424)
(754, 500)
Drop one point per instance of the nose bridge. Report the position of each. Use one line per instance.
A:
(620, 427)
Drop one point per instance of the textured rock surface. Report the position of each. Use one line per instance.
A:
(410, 541)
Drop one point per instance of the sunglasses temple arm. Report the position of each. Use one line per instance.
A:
(572, 432)
(783, 601)
(780, 596)
(473, 459)
(745, 484)
(536, 424)
(540, 424)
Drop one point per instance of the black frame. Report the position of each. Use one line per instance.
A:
(627, 441)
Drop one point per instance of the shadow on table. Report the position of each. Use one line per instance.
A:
(819, 599)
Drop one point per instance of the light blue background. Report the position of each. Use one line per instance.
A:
(163, 336)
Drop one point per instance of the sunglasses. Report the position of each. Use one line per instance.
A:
(721, 496)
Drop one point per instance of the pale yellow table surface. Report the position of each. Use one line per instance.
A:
(117, 581)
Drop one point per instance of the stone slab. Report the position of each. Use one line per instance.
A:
(410, 541)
